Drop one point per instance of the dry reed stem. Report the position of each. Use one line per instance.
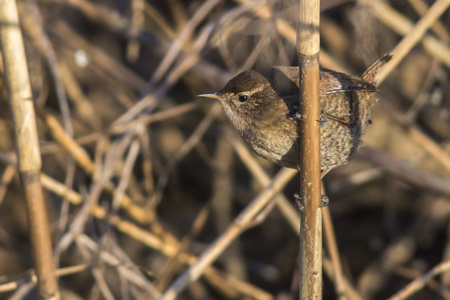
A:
(147, 166)
(406, 120)
(222, 205)
(405, 171)
(419, 137)
(187, 146)
(129, 271)
(60, 189)
(83, 106)
(445, 278)
(292, 216)
(186, 62)
(413, 37)
(177, 45)
(333, 251)
(334, 254)
(376, 276)
(355, 179)
(289, 33)
(429, 145)
(161, 23)
(33, 25)
(285, 207)
(137, 21)
(87, 164)
(239, 225)
(350, 291)
(7, 176)
(178, 14)
(308, 47)
(125, 175)
(187, 42)
(151, 240)
(173, 263)
(97, 56)
(432, 283)
(61, 136)
(183, 67)
(420, 282)
(100, 280)
(422, 97)
(22, 291)
(102, 14)
(403, 26)
(143, 120)
(439, 28)
(11, 286)
(27, 146)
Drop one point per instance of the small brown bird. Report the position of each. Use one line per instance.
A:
(262, 105)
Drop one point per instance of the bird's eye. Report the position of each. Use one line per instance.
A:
(243, 98)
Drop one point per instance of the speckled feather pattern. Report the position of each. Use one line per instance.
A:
(263, 119)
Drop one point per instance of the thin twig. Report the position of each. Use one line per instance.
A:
(334, 254)
(83, 159)
(11, 286)
(349, 289)
(405, 171)
(420, 282)
(185, 149)
(413, 37)
(151, 240)
(258, 172)
(439, 28)
(403, 25)
(235, 229)
(433, 284)
(7, 176)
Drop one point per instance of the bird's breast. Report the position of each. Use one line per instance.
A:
(273, 141)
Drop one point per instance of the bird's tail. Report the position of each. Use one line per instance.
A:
(371, 72)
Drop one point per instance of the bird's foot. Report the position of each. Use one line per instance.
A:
(324, 201)
(298, 201)
(322, 120)
(296, 115)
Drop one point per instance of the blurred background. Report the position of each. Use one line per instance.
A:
(153, 174)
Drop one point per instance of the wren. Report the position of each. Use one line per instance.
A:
(262, 105)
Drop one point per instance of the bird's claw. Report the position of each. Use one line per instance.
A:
(322, 119)
(296, 115)
(298, 200)
(324, 201)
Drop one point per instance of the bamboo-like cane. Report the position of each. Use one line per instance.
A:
(308, 46)
(27, 145)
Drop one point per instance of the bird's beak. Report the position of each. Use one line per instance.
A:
(213, 95)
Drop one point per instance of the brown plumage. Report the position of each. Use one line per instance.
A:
(260, 104)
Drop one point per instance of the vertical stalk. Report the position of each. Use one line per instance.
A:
(27, 146)
(308, 45)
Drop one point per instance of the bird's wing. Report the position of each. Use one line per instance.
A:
(333, 82)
